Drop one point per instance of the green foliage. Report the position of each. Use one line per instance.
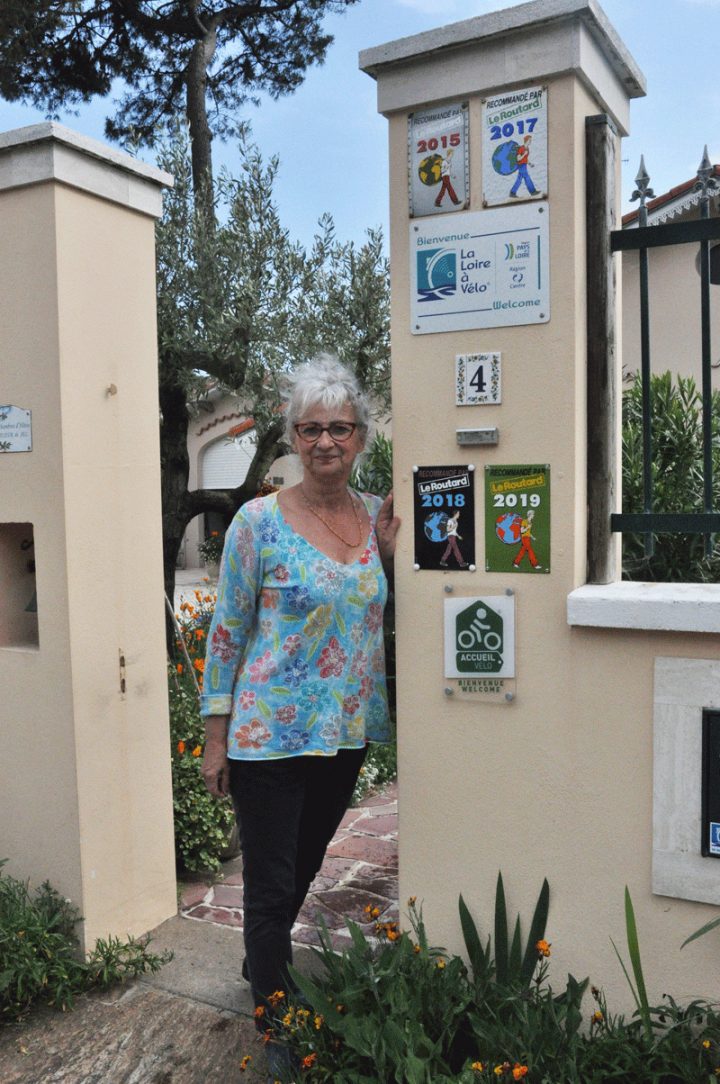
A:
(55, 54)
(202, 823)
(380, 767)
(373, 472)
(39, 952)
(677, 473)
(393, 1008)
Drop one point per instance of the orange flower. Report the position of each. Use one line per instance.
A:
(197, 751)
(276, 998)
(245, 1062)
(199, 665)
(179, 668)
(308, 1061)
(477, 1066)
(259, 1012)
(199, 634)
(181, 747)
(519, 1071)
(543, 947)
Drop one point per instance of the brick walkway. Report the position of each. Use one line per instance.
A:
(360, 868)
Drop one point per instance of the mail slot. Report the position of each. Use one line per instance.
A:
(710, 841)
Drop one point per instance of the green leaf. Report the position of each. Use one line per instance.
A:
(473, 945)
(231, 561)
(501, 933)
(537, 933)
(634, 951)
(340, 622)
(263, 708)
(712, 925)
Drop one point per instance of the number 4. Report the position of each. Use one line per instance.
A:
(477, 380)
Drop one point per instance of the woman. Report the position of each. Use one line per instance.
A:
(295, 674)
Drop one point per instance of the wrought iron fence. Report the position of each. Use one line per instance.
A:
(702, 231)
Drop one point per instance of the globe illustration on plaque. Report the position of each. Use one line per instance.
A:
(507, 528)
(435, 526)
(504, 158)
(429, 170)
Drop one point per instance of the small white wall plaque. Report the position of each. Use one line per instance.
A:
(477, 379)
(15, 429)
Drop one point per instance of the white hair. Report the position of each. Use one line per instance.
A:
(325, 382)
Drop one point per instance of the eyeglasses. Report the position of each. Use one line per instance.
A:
(312, 431)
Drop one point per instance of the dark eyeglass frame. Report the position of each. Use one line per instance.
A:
(352, 426)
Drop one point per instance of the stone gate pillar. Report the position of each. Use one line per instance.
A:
(534, 757)
(85, 790)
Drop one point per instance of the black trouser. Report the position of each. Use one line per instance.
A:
(287, 812)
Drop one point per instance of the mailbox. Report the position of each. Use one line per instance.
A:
(710, 841)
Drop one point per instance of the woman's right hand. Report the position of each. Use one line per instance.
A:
(215, 765)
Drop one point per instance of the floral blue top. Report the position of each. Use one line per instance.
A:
(295, 651)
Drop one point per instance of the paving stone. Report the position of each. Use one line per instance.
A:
(377, 826)
(379, 852)
(233, 879)
(322, 883)
(192, 895)
(351, 817)
(217, 914)
(308, 935)
(382, 810)
(351, 902)
(379, 882)
(313, 910)
(336, 868)
(227, 896)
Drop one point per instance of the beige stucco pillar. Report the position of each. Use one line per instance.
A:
(557, 782)
(85, 790)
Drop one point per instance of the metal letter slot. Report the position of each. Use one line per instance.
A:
(478, 436)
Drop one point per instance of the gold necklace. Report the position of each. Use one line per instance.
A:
(345, 541)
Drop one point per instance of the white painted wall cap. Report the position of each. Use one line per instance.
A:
(677, 607)
(496, 24)
(51, 131)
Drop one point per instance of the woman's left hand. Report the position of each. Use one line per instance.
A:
(386, 529)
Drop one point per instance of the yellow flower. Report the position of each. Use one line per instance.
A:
(319, 1021)
(411, 901)
(707, 1044)
(477, 1066)
(498, 1070)
(543, 947)
(276, 998)
(597, 1017)
(197, 751)
(245, 1062)
(441, 964)
(287, 1019)
(416, 949)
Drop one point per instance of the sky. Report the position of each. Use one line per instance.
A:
(332, 143)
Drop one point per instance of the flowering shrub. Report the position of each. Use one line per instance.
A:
(393, 1008)
(211, 548)
(202, 823)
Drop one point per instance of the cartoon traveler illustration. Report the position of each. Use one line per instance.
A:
(451, 530)
(527, 537)
(522, 157)
(446, 185)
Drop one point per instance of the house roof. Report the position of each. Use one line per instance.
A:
(670, 205)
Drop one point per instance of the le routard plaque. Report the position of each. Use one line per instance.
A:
(15, 429)
(438, 160)
(444, 505)
(517, 518)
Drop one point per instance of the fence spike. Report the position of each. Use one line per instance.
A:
(643, 190)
